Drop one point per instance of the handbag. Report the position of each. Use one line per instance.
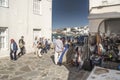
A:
(87, 65)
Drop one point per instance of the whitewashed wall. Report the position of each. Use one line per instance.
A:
(20, 20)
(100, 7)
(97, 6)
(96, 3)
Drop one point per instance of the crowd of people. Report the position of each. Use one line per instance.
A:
(41, 46)
(65, 50)
(101, 48)
(70, 51)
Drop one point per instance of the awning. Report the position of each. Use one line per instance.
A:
(104, 15)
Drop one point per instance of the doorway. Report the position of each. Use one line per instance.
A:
(37, 33)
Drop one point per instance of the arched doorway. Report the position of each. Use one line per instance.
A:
(109, 26)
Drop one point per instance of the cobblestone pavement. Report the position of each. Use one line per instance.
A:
(30, 67)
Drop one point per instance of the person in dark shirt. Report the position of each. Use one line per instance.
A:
(13, 50)
(21, 46)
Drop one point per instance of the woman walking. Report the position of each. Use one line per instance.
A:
(13, 50)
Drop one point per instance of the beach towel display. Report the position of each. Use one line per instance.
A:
(62, 55)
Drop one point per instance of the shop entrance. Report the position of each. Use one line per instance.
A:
(110, 26)
(37, 33)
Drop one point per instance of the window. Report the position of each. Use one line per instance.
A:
(37, 7)
(3, 38)
(3, 3)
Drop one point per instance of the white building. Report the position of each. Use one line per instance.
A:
(68, 29)
(75, 31)
(104, 16)
(28, 18)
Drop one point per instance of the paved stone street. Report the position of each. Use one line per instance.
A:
(30, 67)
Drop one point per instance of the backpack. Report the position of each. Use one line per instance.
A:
(21, 43)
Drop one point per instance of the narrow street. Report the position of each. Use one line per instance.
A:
(30, 67)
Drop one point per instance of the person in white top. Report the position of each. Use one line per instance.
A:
(36, 46)
(58, 49)
(35, 43)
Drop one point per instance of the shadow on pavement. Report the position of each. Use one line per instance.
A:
(75, 74)
(52, 57)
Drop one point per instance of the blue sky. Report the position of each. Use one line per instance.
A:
(69, 13)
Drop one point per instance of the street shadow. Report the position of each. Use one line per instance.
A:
(75, 74)
(52, 57)
(20, 54)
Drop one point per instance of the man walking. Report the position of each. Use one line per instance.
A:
(21, 45)
(58, 49)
